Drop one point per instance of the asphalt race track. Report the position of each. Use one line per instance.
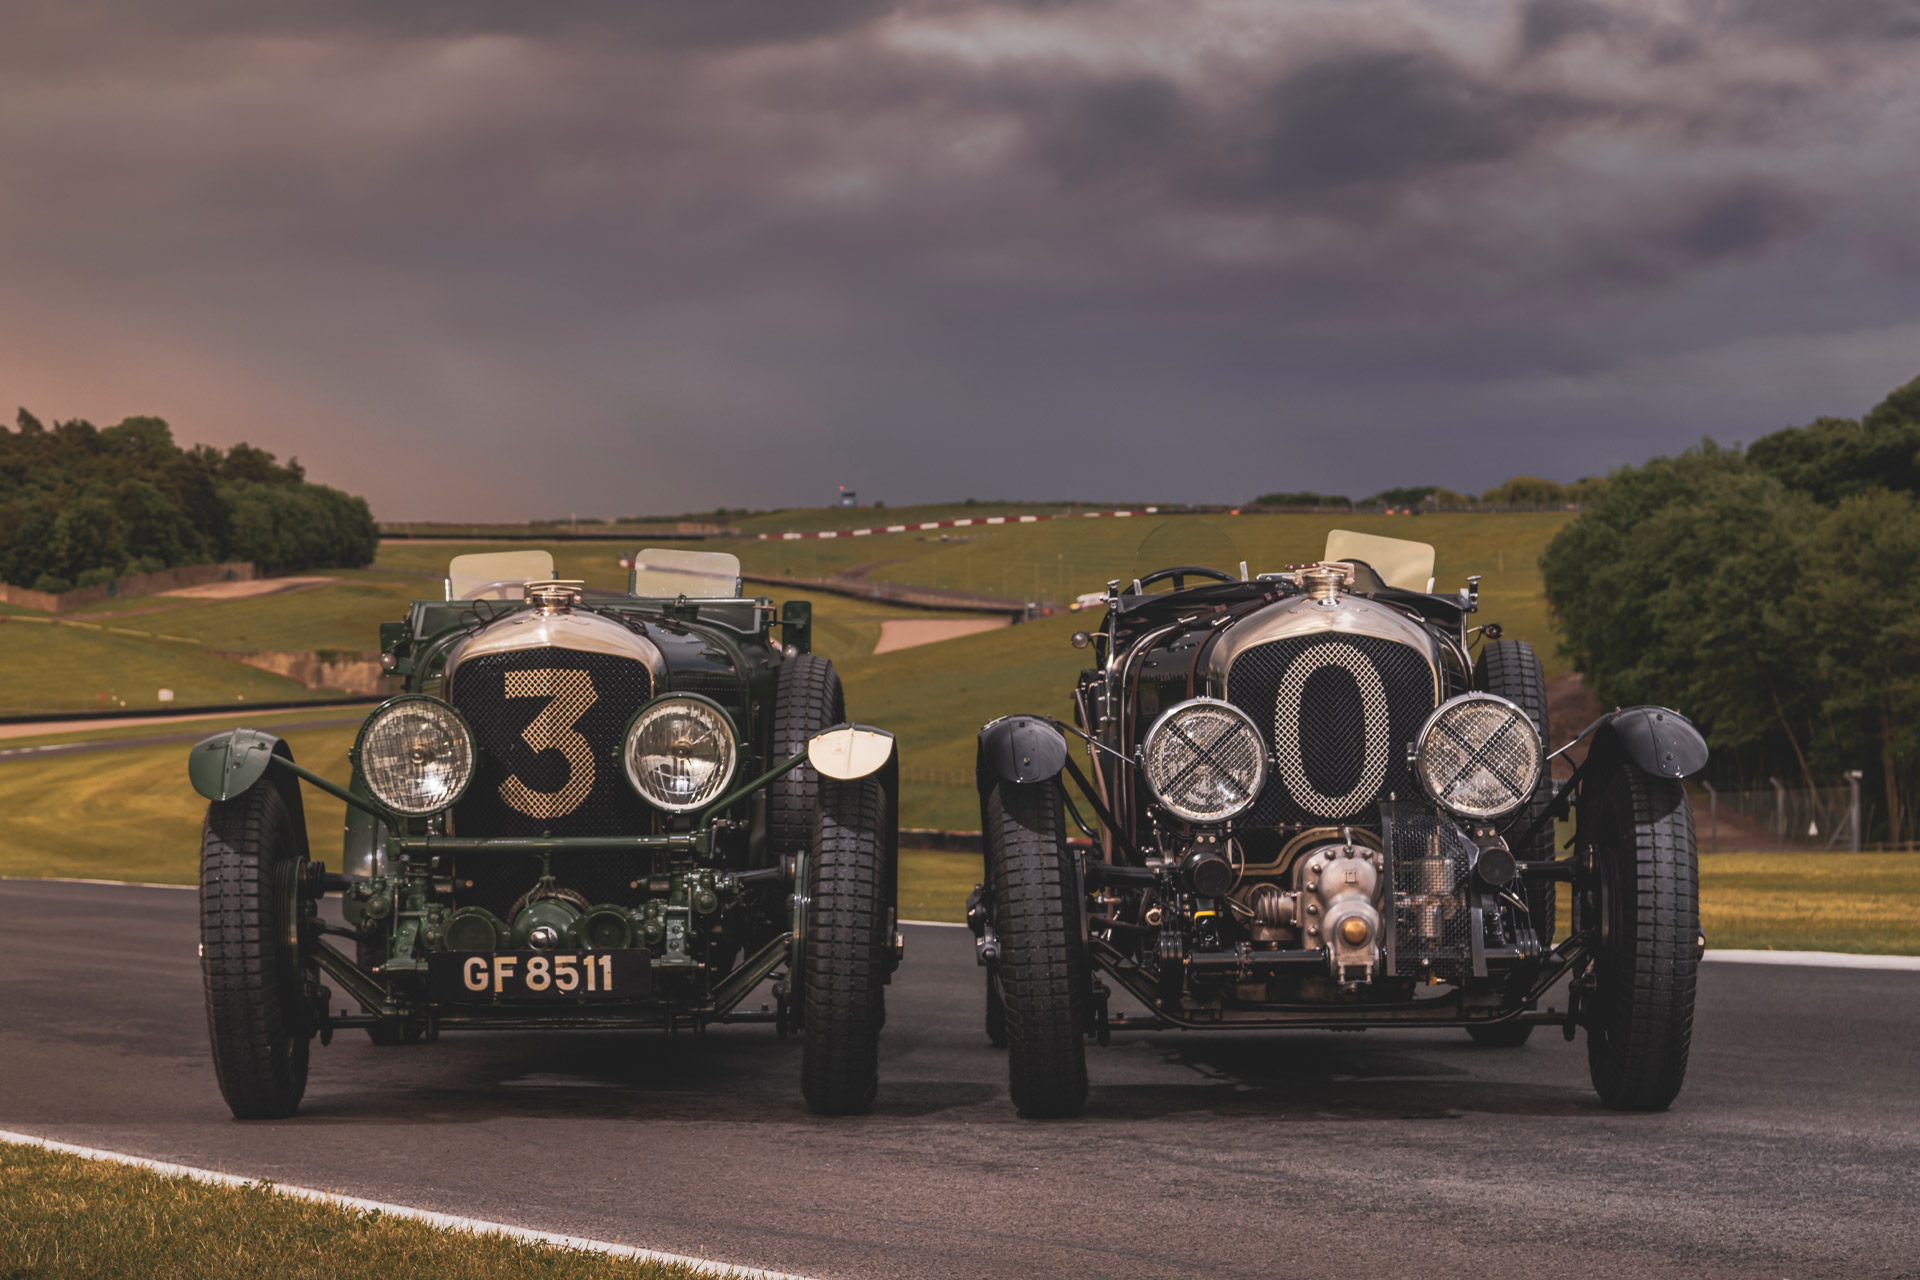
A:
(1793, 1152)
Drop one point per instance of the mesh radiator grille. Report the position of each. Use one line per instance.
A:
(548, 723)
(1432, 860)
(1342, 710)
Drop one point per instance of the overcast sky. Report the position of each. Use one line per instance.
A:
(500, 260)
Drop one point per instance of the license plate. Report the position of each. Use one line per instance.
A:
(520, 976)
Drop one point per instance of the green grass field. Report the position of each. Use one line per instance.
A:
(131, 815)
(65, 1218)
(69, 666)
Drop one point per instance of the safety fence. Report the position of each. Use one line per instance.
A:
(1781, 818)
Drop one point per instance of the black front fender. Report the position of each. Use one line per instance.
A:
(1658, 740)
(1019, 749)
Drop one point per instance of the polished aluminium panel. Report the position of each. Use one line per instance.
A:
(561, 629)
(1302, 616)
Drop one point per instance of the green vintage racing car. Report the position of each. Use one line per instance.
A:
(584, 811)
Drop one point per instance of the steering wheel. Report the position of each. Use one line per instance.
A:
(1179, 575)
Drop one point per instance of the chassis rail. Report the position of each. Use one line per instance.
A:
(1554, 966)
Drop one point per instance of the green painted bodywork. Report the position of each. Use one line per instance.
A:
(223, 766)
(715, 909)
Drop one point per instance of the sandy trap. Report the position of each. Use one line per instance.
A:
(248, 587)
(908, 633)
(445, 1221)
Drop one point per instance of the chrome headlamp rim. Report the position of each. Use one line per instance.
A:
(1164, 723)
(452, 717)
(1519, 716)
(730, 735)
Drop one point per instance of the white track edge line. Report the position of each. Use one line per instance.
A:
(445, 1221)
(937, 924)
(1819, 959)
(119, 884)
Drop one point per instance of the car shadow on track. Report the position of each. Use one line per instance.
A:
(1337, 1077)
(644, 1076)
(755, 1080)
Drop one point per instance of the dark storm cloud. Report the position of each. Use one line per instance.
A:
(661, 256)
(706, 25)
(1545, 24)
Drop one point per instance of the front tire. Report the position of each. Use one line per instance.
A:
(1642, 902)
(1043, 959)
(844, 952)
(257, 1018)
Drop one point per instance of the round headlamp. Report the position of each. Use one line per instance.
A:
(1479, 756)
(680, 753)
(1204, 760)
(416, 755)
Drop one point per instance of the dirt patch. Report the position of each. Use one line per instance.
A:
(1571, 707)
(906, 633)
(322, 669)
(250, 587)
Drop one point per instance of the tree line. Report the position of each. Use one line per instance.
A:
(1772, 594)
(81, 505)
(1520, 491)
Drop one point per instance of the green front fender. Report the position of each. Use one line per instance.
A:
(225, 765)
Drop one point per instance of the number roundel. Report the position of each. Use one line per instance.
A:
(1375, 748)
(569, 695)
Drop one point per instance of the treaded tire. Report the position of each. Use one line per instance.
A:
(1645, 904)
(255, 1018)
(844, 953)
(806, 699)
(996, 1013)
(1043, 960)
(1510, 669)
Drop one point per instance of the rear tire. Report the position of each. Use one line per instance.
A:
(257, 1018)
(1043, 960)
(1642, 903)
(844, 953)
(806, 699)
(1511, 670)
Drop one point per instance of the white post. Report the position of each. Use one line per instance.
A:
(1713, 817)
(1853, 806)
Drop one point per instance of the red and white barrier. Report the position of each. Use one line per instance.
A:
(957, 524)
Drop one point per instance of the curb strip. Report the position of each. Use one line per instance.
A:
(445, 1221)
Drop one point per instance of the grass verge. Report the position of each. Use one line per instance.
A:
(1866, 903)
(74, 1219)
(131, 815)
(934, 886)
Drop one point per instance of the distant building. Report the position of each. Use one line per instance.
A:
(848, 498)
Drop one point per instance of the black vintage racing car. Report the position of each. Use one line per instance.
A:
(1320, 798)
